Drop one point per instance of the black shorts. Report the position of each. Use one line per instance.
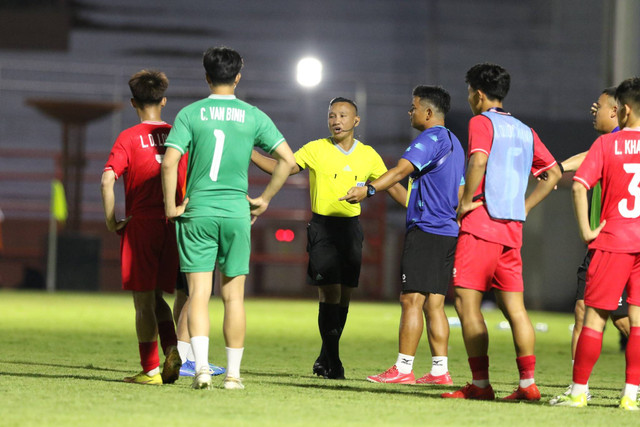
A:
(427, 262)
(623, 306)
(335, 250)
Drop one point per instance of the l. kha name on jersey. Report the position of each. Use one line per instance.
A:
(227, 114)
(631, 146)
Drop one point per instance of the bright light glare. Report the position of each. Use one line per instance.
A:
(309, 72)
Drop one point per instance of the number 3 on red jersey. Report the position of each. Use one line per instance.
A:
(634, 190)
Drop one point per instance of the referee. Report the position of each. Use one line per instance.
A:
(334, 234)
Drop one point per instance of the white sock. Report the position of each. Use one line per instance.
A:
(200, 346)
(631, 391)
(184, 348)
(439, 365)
(526, 382)
(481, 383)
(190, 355)
(577, 389)
(587, 384)
(404, 363)
(154, 371)
(234, 358)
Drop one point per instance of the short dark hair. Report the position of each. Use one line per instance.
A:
(148, 87)
(435, 95)
(222, 65)
(610, 91)
(628, 93)
(492, 79)
(341, 99)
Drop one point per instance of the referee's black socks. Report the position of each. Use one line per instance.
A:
(330, 325)
(343, 312)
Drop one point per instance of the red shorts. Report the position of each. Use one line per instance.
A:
(607, 276)
(482, 265)
(149, 255)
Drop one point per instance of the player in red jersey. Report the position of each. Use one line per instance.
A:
(148, 249)
(613, 159)
(605, 120)
(502, 153)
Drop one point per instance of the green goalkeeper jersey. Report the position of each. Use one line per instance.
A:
(219, 133)
(594, 215)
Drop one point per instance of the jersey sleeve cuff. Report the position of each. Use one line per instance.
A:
(109, 168)
(478, 150)
(546, 168)
(276, 145)
(168, 144)
(582, 181)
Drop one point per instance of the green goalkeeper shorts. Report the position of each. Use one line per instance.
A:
(204, 240)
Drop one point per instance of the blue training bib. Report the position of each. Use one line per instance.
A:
(508, 167)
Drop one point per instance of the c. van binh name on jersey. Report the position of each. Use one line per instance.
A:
(226, 114)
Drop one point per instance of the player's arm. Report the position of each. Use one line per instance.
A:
(268, 164)
(543, 188)
(475, 172)
(399, 194)
(389, 181)
(107, 184)
(581, 210)
(169, 173)
(285, 163)
(573, 163)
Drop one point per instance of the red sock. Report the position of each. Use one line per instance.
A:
(632, 355)
(149, 358)
(587, 353)
(479, 367)
(167, 333)
(526, 366)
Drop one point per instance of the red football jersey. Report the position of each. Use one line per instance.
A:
(614, 159)
(137, 155)
(478, 222)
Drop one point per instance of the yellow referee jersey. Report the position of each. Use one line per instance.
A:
(333, 171)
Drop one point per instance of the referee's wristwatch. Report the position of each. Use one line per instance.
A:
(371, 190)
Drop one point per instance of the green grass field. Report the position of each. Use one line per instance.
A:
(63, 357)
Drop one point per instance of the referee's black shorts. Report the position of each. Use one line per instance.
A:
(623, 306)
(427, 262)
(335, 250)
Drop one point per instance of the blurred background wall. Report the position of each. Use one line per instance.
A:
(64, 67)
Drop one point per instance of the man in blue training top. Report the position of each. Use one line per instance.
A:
(434, 163)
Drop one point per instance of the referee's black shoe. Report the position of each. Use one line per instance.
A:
(335, 373)
(320, 367)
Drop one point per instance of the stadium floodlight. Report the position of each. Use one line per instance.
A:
(309, 72)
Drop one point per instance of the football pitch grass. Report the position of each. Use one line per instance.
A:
(63, 357)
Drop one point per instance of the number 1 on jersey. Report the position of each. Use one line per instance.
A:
(217, 154)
